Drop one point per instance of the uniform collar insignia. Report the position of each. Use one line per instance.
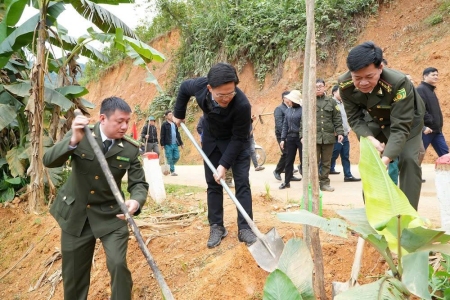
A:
(120, 144)
(385, 85)
(380, 92)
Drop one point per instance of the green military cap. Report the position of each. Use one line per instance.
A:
(151, 118)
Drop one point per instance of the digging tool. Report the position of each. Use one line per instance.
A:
(112, 184)
(148, 134)
(266, 114)
(268, 248)
(339, 287)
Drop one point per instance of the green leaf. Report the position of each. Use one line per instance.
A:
(415, 274)
(145, 51)
(101, 17)
(358, 219)
(152, 79)
(55, 175)
(7, 195)
(72, 91)
(297, 264)
(15, 180)
(384, 200)
(279, 287)
(21, 89)
(332, 226)
(7, 98)
(16, 165)
(87, 103)
(416, 238)
(8, 114)
(387, 288)
(3, 162)
(12, 16)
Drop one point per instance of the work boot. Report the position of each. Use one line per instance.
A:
(216, 234)
(247, 236)
(326, 188)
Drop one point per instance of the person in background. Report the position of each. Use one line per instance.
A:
(433, 119)
(149, 136)
(279, 113)
(329, 128)
(290, 136)
(225, 141)
(395, 107)
(342, 148)
(170, 141)
(85, 207)
(252, 148)
(229, 173)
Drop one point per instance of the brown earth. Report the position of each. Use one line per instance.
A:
(191, 270)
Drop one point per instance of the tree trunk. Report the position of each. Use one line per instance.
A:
(310, 167)
(35, 111)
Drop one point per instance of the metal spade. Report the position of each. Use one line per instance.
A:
(268, 247)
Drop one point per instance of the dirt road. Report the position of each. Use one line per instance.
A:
(346, 194)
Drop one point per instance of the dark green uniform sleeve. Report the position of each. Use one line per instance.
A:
(337, 121)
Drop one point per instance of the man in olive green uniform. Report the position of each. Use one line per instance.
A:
(85, 207)
(395, 107)
(329, 125)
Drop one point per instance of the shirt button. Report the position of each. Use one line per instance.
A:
(92, 192)
(96, 177)
(382, 126)
(369, 109)
(111, 206)
(381, 119)
(120, 166)
(88, 206)
(83, 155)
(64, 198)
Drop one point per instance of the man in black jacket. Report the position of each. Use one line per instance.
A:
(149, 136)
(170, 141)
(225, 140)
(433, 119)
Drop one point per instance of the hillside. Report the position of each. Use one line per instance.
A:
(409, 45)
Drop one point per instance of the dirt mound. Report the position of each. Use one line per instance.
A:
(30, 255)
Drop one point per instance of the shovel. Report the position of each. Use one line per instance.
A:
(268, 247)
(339, 287)
(112, 184)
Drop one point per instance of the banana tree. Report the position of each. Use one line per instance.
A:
(49, 32)
(391, 225)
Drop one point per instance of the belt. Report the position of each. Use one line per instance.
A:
(152, 141)
(293, 134)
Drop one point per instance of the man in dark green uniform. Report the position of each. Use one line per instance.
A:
(85, 207)
(395, 107)
(329, 126)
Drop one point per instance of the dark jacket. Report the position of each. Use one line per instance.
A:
(224, 128)
(291, 123)
(166, 134)
(433, 114)
(396, 109)
(328, 120)
(86, 193)
(152, 135)
(279, 113)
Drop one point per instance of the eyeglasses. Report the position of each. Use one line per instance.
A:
(223, 96)
(319, 87)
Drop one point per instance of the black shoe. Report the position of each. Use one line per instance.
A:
(351, 179)
(334, 172)
(293, 178)
(277, 176)
(284, 185)
(216, 234)
(424, 180)
(247, 236)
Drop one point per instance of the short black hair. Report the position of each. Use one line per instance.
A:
(167, 112)
(385, 62)
(364, 55)
(320, 80)
(283, 94)
(334, 89)
(429, 70)
(222, 73)
(111, 104)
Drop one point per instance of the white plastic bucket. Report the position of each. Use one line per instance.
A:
(153, 175)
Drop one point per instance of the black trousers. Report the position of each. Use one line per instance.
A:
(282, 162)
(241, 168)
(292, 145)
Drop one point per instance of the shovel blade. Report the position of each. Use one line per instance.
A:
(261, 253)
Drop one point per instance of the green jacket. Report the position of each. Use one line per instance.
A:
(328, 120)
(86, 193)
(395, 107)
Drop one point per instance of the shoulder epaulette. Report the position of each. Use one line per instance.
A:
(346, 84)
(385, 85)
(132, 141)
